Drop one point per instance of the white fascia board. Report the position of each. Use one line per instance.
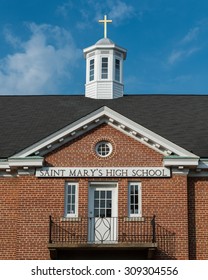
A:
(22, 162)
(4, 165)
(112, 46)
(60, 134)
(149, 134)
(181, 161)
(105, 114)
(17, 162)
(183, 172)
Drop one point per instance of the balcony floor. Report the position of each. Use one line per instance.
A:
(122, 245)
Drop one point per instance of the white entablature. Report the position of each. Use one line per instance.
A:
(104, 68)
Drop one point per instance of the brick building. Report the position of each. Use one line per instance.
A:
(105, 175)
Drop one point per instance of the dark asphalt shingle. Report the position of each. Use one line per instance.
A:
(182, 119)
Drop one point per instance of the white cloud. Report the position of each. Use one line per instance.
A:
(120, 11)
(64, 9)
(186, 47)
(41, 64)
(191, 35)
(177, 55)
(11, 39)
(117, 10)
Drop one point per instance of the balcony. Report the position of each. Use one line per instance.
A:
(85, 236)
(102, 232)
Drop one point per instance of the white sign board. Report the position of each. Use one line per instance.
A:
(79, 172)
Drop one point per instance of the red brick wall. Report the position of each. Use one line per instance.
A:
(8, 218)
(27, 202)
(126, 151)
(198, 218)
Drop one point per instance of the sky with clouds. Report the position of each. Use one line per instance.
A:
(42, 42)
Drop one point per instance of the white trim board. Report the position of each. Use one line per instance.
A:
(116, 120)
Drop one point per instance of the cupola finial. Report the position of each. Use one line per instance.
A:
(105, 21)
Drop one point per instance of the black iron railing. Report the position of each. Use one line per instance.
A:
(89, 230)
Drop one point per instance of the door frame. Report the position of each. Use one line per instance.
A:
(104, 186)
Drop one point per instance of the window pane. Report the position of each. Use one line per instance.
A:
(91, 74)
(96, 212)
(69, 189)
(102, 213)
(108, 194)
(104, 76)
(102, 203)
(96, 194)
(102, 194)
(73, 189)
(73, 208)
(70, 207)
(104, 70)
(108, 213)
(117, 70)
(134, 199)
(108, 205)
(96, 203)
(136, 211)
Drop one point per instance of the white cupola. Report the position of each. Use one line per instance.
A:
(104, 68)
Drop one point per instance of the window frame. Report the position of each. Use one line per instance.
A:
(75, 214)
(117, 71)
(139, 214)
(100, 143)
(91, 70)
(102, 68)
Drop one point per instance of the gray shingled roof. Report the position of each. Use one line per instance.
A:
(182, 119)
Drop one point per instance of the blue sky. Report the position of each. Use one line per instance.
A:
(42, 42)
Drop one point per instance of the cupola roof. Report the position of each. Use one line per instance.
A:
(105, 41)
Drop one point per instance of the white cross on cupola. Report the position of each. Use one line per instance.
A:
(105, 21)
(104, 68)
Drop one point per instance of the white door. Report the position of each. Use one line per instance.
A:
(103, 213)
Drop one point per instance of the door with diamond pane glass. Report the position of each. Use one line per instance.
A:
(103, 218)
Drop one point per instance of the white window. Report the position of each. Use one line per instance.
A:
(71, 199)
(92, 69)
(104, 69)
(135, 207)
(103, 148)
(117, 70)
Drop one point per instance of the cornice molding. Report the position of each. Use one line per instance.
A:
(116, 120)
(24, 163)
(181, 162)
